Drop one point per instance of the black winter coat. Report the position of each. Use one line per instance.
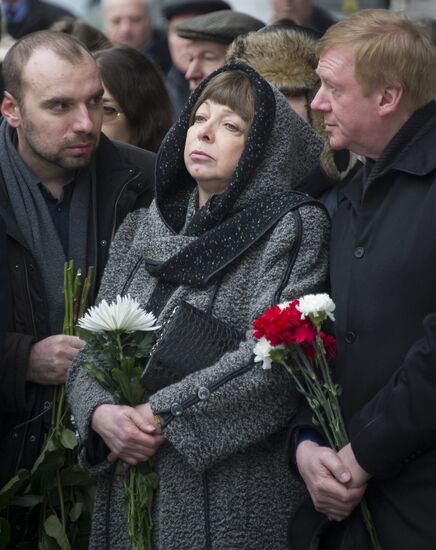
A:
(383, 277)
(5, 293)
(125, 182)
(383, 281)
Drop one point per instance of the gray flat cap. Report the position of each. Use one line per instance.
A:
(219, 26)
(172, 8)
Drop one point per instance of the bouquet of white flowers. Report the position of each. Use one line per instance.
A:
(120, 336)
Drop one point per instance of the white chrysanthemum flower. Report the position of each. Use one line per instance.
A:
(261, 352)
(122, 315)
(283, 305)
(316, 306)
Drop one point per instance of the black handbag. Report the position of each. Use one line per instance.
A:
(190, 340)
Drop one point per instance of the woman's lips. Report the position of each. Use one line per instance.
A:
(200, 155)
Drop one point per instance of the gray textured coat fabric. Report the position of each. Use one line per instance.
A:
(223, 469)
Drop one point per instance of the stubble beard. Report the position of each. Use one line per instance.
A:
(35, 143)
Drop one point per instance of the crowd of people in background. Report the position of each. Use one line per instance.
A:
(232, 163)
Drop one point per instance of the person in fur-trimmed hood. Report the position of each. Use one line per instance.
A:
(285, 55)
(225, 232)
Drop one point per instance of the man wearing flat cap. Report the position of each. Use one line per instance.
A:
(177, 11)
(210, 36)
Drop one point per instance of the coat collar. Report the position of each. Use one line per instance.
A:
(410, 151)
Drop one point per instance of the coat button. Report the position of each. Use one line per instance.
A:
(140, 185)
(15, 435)
(350, 337)
(203, 393)
(176, 409)
(47, 405)
(103, 242)
(32, 439)
(359, 252)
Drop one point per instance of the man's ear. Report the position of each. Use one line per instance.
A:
(390, 99)
(10, 110)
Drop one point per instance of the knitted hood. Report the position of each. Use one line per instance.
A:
(281, 149)
(287, 59)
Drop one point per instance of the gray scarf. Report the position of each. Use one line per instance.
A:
(35, 222)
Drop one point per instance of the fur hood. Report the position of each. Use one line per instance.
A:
(287, 59)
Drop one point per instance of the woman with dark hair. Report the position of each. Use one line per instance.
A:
(136, 106)
(226, 236)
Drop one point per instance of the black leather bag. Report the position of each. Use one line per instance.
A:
(190, 340)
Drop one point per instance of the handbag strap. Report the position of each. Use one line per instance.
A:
(166, 286)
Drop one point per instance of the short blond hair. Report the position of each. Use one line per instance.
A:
(388, 49)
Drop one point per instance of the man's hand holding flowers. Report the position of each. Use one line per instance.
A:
(290, 335)
(329, 479)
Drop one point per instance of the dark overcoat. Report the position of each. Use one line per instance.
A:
(124, 182)
(383, 277)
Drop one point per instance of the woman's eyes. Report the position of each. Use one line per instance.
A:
(110, 111)
(232, 127)
(199, 118)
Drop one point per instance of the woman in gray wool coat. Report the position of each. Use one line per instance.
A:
(224, 229)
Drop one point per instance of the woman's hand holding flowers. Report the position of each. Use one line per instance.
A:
(130, 432)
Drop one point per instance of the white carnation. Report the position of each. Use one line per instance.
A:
(317, 307)
(123, 315)
(261, 352)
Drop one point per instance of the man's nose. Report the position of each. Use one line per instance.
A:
(193, 72)
(83, 122)
(319, 102)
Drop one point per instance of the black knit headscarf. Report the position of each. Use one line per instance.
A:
(173, 182)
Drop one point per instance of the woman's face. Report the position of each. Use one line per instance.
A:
(213, 147)
(115, 124)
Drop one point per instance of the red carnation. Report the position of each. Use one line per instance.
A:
(329, 343)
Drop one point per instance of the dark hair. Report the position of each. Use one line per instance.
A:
(89, 35)
(233, 89)
(65, 46)
(137, 86)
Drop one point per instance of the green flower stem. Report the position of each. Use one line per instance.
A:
(120, 349)
(149, 519)
(61, 497)
(326, 373)
(68, 296)
(77, 288)
(314, 381)
(369, 524)
(306, 393)
(84, 299)
(318, 387)
(60, 406)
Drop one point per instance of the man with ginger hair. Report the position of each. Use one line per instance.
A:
(377, 88)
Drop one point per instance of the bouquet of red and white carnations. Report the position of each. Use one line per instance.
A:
(290, 335)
